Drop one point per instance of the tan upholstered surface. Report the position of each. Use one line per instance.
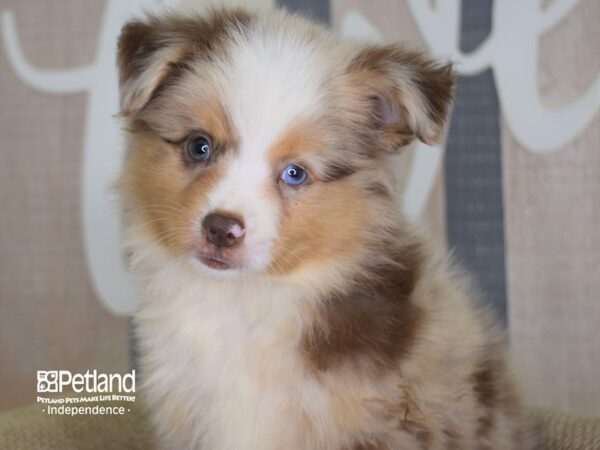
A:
(551, 227)
(563, 432)
(28, 428)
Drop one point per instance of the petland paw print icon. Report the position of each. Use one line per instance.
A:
(47, 380)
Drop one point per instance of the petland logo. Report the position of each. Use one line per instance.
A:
(90, 382)
(102, 393)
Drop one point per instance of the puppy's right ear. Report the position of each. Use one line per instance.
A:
(149, 49)
(145, 53)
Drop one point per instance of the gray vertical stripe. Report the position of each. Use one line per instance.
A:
(475, 214)
(476, 23)
(317, 9)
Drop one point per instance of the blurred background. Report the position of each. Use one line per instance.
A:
(515, 192)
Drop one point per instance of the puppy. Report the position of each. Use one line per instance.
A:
(287, 304)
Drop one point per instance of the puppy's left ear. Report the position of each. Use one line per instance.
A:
(408, 94)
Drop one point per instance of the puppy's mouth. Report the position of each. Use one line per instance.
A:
(218, 260)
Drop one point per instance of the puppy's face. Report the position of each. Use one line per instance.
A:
(260, 144)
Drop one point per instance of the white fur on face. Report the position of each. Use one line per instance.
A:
(242, 192)
(268, 83)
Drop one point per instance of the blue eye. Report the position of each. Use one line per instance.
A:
(199, 148)
(294, 175)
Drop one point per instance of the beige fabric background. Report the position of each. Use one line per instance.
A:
(552, 223)
(49, 317)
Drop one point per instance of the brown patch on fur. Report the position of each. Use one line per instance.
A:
(301, 140)
(175, 119)
(378, 189)
(376, 320)
(484, 383)
(185, 38)
(413, 89)
(337, 170)
(337, 150)
(294, 143)
(487, 386)
(495, 391)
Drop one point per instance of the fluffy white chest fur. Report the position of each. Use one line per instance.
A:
(222, 363)
(223, 369)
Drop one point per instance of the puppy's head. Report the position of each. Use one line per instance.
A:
(261, 143)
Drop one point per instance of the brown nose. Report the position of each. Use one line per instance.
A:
(223, 231)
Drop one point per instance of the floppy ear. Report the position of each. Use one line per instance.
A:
(149, 50)
(409, 95)
(145, 51)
